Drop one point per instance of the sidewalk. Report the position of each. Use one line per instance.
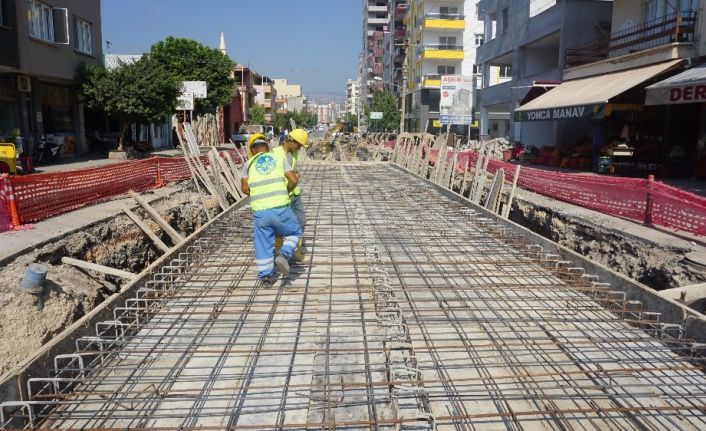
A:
(94, 160)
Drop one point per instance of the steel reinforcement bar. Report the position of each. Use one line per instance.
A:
(416, 311)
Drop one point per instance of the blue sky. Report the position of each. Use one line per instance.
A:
(312, 42)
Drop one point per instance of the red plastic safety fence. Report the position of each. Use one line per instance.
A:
(672, 207)
(5, 219)
(38, 197)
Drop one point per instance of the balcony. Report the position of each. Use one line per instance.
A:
(444, 21)
(399, 59)
(442, 52)
(677, 27)
(431, 80)
(400, 35)
(378, 21)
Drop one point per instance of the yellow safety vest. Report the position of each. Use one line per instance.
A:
(279, 151)
(268, 185)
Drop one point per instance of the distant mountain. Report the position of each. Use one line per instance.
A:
(323, 98)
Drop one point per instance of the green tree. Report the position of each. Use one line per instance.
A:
(257, 114)
(350, 118)
(188, 60)
(385, 102)
(136, 92)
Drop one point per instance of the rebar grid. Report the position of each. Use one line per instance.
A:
(415, 312)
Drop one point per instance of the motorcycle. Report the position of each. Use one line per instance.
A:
(48, 149)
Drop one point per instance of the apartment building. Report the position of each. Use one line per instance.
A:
(265, 96)
(395, 48)
(524, 41)
(376, 21)
(435, 34)
(289, 96)
(244, 98)
(41, 43)
(352, 97)
(641, 84)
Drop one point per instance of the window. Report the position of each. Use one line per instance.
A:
(475, 69)
(82, 35)
(504, 21)
(41, 20)
(506, 71)
(446, 70)
(447, 11)
(478, 37)
(447, 42)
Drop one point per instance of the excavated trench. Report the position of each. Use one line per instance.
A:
(71, 292)
(659, 266)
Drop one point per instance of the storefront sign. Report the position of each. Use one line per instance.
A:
(694, 93)
(563, 113)
(197, 88)
(376, 115)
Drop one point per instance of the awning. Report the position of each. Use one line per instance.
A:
(686, 87)
(587, 97)
(538, 88)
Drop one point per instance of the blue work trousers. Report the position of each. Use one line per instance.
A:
(279, 221)
(298, 209)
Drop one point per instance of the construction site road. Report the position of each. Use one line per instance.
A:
(416, 311)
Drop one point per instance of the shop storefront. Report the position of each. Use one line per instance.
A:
(59, 115)
(9, 116)
(604, 124)
(682, 97)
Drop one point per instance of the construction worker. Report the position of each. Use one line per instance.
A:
(268, 179)
(289, 150)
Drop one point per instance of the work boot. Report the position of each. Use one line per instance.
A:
(268, 281)
(299, 257)
(278, 244)
(282, 264)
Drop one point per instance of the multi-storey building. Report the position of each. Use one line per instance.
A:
(266, 95)
(376, 19)
(642, 83)
(352, 97)
(523, 44)
(289, 96)
(244, 99)
(435, 34)
(41, 43)
(395, 44)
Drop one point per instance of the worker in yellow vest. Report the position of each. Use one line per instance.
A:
(269, 179)
(296, 139)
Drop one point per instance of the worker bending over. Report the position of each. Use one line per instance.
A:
(289, 150)
(268, 179)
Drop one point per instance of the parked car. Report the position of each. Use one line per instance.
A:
(241, 138)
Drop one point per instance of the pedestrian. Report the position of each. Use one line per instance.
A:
(175, 137)
(268, 179)
(281, 137)
(289, 150)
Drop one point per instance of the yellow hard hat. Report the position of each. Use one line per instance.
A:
(259, 138)
(300, 136)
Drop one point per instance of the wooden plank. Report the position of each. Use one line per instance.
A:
(98, 268)
(155, 239)
(173, 234)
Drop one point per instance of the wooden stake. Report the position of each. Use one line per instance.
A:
(508, 206)
(155, 239)
(173, 234)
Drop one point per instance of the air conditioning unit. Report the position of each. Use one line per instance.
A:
(24, 84)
